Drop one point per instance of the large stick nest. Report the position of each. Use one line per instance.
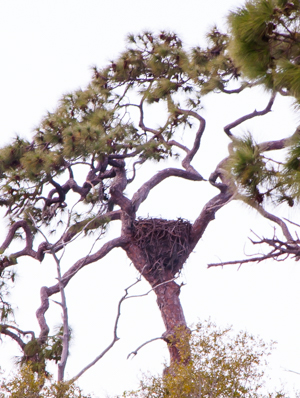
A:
(164, 242)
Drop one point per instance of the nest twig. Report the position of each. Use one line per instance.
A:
(165, 243)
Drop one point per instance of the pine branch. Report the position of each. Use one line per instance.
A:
(251, 115)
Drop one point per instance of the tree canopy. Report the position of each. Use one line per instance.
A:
(74, 177)
(222, 364)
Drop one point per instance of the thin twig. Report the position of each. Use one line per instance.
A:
(115, 336)
(286, 219)
(142, 345)
(155, 287)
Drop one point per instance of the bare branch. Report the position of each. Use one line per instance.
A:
(24, 333)
(297, 225)
(186, 163)
(239, 89)
(142, 345)
(46, 292)
(141, 161)
(153, 289)
(27, 251)
(4, 329)
(207, 215)
(244, 261)
(249, 116)
(292, 371)
(273, 218)
(143, 192)
(141, 122)
(280, 251)
(115, 336)
(274, 145)
(66, 332)
(85, 226)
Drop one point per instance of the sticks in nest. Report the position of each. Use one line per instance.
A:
(165, 242)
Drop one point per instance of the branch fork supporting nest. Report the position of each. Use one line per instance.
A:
(164, 242)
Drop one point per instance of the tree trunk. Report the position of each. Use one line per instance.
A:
(167, 292)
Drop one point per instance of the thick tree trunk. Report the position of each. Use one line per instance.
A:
(176, 329)
(167, 292)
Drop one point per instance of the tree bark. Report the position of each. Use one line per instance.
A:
(167, 292)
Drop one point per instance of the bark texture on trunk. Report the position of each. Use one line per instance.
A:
(167, 292)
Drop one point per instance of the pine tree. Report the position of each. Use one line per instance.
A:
(103, 133)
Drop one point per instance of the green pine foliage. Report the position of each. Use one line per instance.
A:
(36, 355)
(265, 43)
(93, 125)
(248, 168)
(101, 129)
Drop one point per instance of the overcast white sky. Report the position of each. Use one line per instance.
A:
(47, 48)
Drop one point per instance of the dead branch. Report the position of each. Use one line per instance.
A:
(273, 218)
(280, 251)
(292, 371)
(152, 290)
(46, 292)
(142, 345)
(115, 336)
(297, 225)
(66, 330)
(244, 261)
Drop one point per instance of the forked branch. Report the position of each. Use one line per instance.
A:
(115, 336)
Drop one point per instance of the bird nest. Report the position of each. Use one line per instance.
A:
(164, 242)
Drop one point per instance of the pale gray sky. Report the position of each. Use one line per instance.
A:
(47, 48)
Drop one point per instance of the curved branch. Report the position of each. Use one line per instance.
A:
(274, 145)
(102, 252)
(27, 251)
(24, 333)
(249, 116)
(186, 163)
(273, 218)
(207, 215)
(143, 192)
(86, 225)
(181, 146)
(40, 314)
(142, 345)
(237, 90)
(117, 188)
(46, 292)
(11, 233)
(4, 330)
(141, 122)
(115, 336)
